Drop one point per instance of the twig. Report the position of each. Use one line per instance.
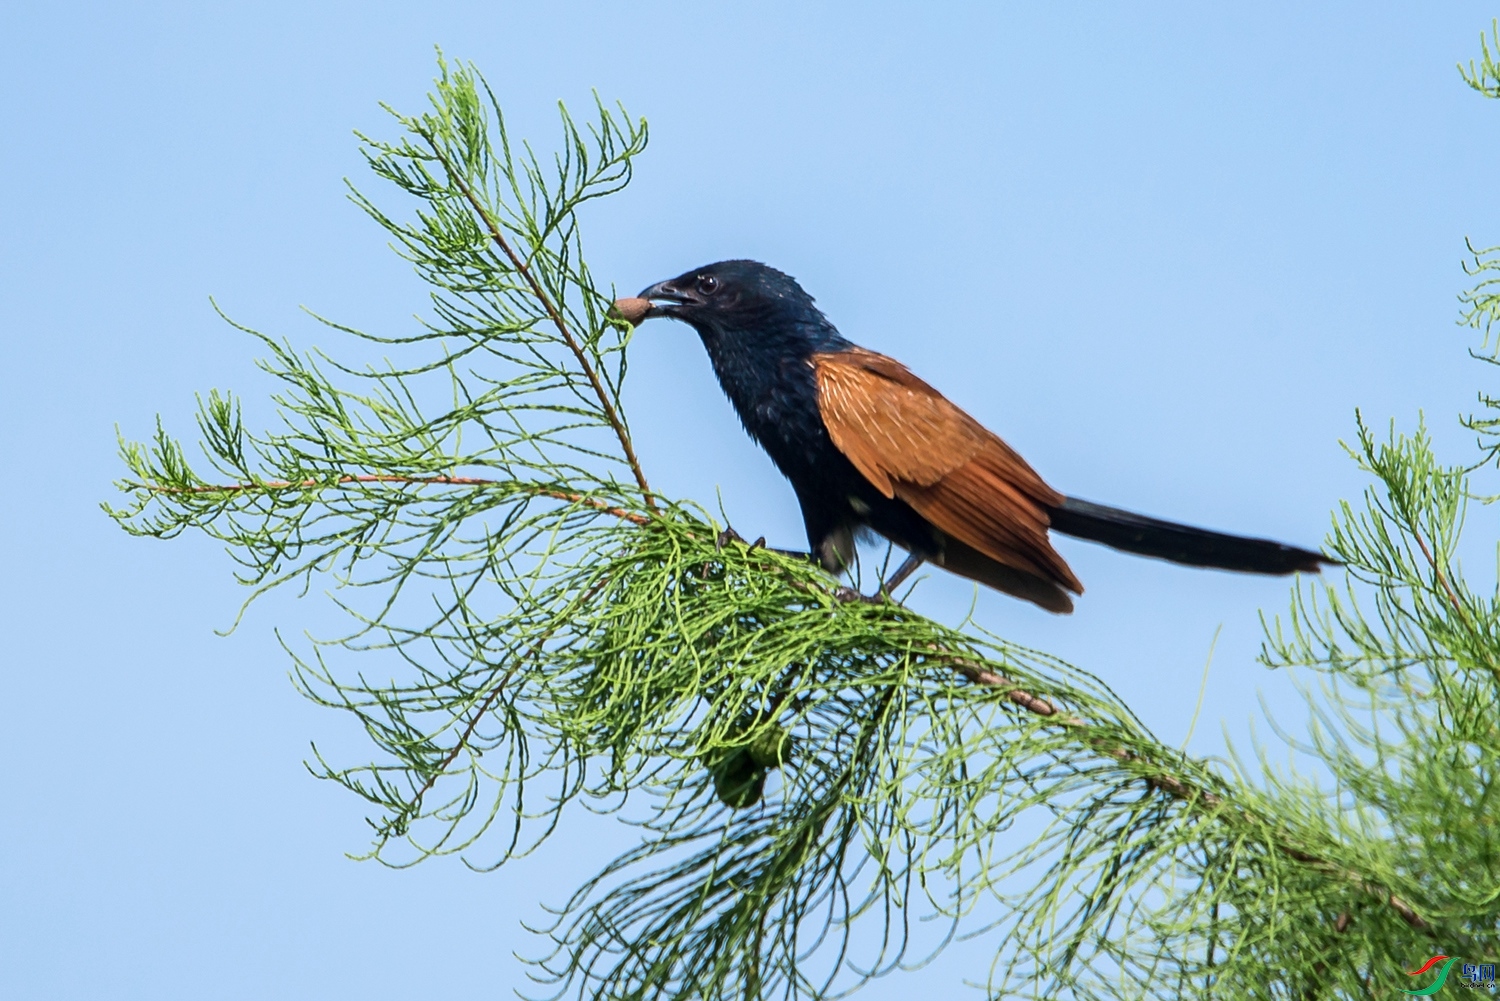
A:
(1442, 578)
(484, 707)
(552, 312)
(455, 481)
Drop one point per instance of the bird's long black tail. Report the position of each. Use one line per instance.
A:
(1198, 547)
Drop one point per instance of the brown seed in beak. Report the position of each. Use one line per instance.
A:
(630, 309)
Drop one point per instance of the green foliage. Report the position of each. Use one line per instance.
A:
(1485, 75)
(809, 776)
(1482, 302)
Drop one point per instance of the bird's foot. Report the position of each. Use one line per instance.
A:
(848, 594)
(883, 595)
(729, 535)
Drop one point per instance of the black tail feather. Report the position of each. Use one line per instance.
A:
(1197, 547)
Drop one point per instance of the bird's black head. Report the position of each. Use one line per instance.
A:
(739, 298)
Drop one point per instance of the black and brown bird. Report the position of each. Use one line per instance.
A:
(868, 445)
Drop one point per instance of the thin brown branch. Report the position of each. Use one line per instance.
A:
(456, 481)
(552, 312)
(1172, 784)
(484, 706)
(980, 675)
(463, 740)
(1442, 578)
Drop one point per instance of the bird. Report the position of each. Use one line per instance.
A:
(870, 447)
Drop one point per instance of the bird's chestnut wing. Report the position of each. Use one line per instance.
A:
(911, 443)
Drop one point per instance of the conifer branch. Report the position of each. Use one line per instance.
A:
(562, 328)
(1437, 571)
(345, 480)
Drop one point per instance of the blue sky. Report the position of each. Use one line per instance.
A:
(1165, 252)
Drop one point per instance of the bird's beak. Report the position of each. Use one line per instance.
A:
(667, 299)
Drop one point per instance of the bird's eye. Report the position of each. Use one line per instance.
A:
(708, 284)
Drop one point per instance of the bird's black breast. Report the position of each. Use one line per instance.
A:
(775, 393)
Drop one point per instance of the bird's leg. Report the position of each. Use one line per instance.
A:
(906, 569)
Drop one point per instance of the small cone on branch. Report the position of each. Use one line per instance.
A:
(770, 746)
(630, 309)
(737, 782)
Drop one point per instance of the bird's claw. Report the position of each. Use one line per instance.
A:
(729, 535)
(848, 594)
